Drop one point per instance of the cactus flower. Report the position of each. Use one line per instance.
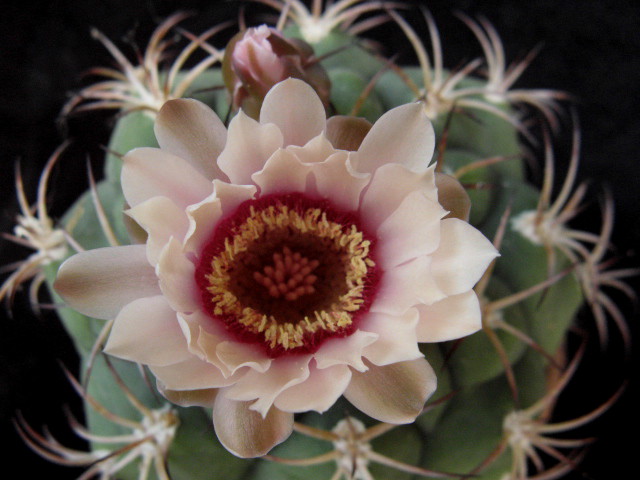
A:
(288, 261)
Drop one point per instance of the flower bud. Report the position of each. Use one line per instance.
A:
(258, 58)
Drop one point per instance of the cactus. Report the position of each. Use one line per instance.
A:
(489, 414)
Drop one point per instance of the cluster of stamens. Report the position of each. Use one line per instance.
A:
(290, 276)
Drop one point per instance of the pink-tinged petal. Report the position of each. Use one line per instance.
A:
(237, 355)
(318, 149)
(265, 387)
(249, 146)
(244, 432)
(393, 393)
(336, 181)
(462, 257)
(161, 219)
(202, 219)
(397, 340)
(151, 172)
(231, 195)
(413, 230)
(319, 392)
(206, 344)
(99, 282)
(177, 278)
(403, 135)
(147, 331)
(192, 374)
(295, 108)
(191, 130)
(228, 355)
(203, 336)
(283, 173)
(189, 398)
(345, 351)
(454, 317)
(405, 286)
(389, 187)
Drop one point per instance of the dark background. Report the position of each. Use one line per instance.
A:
(590, 49)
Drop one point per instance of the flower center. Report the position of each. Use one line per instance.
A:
(288, 272)
(289, 276)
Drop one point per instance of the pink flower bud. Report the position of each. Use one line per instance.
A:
(258, 58)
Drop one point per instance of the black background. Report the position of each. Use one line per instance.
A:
(590, 49)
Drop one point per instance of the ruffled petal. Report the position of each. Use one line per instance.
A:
(462, 257)
(335, 180)
(99, 282)
(403, 135)
(265, 387)
(237, 355)
(191, 130)
(177, 278)
(411, 231)
(231, 195)
(454, 317)
(389, 187)
(151, 172)
(397, 340)
(202, 219)
(161, 219)
(205, 215)
(249, 145)
(345, 351)
(319, 392)
(393, 393)
(406, 285)
(147, 331)
(192, 374)
(244, 432)
(283, 173)
(316, 150)
(295, 108)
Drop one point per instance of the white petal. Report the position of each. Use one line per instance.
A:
(345, 351)
(411, 231)
(203, 218)
(389, 187)
(177, 278)
(295, 108)
(244, 432)
(454, 317)
(403, 135)
(393, 393)
(316, 150)
(336, 181)
(265, 387)
(397, 340)
(231, 196)
(249, 145)
(99, 282)
(283, 173)
(161, 219)
(191, 130)
(151, 172)
(406, 285)
(147, 331)
(318, 392)
(236, 355)
(462, 257)
(192, 374)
